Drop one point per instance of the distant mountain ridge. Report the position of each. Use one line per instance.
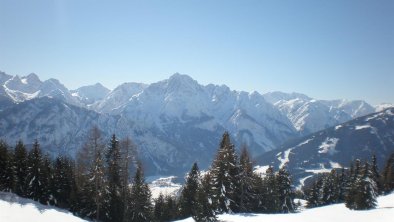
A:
(174, 122)
(336, 146)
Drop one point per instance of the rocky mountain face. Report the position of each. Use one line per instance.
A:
(336, 146)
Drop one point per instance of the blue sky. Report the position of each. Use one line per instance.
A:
(324, 48)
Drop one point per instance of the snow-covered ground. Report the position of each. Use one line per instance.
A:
(17, 209)
(333, 213)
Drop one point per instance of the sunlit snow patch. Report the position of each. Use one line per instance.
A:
(328, 146)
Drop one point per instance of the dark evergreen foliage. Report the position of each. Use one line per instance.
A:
(94, 195)
(224, 175)
(140, 205)
(269, 202)
(285, 192)
(367, 191)
(116, 203)
(187, 200)
(388, 175)
(205, 209)
(247, 183)
(159, 209)
(6, 168)
(20, 166)
(35, 175)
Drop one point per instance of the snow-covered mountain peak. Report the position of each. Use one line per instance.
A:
(276, 96)
(180, 83)
(32, 78)
(4, 77)
(90, 94)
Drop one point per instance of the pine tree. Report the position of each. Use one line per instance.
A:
(6, 168)
(270, 200)
(128, 155)
(375, 174)
(171, 210)
(313, 194)
(367, 191)
(225, 176)
(140, 205)
(116, 206)
(35, 175)
(159, 209)
(20, 165)
(285, 192)
(330, 189)
(94, 194)
(342, 182)
(187, 200)
(354, 180)
(247, 183)
(388, 175)
(205, 208)
(63, 182)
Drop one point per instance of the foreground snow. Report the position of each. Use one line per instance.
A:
(332, 213)
(17, 209)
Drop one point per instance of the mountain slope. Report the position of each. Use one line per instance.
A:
(335, 147)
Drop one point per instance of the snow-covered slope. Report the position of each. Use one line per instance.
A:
(337, 212)
(335, 147)
(17, 209)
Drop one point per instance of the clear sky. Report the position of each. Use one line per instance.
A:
(324, 48)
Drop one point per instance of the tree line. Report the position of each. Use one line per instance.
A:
(96, 184)
(357, 187)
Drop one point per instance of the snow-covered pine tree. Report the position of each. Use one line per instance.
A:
(158, 211)
(187, 199)
(63, 182)
(224, 173)
(285, 192)
(388, 175)
(367, 191)
(94, 193)
(269, 202)
(205, 208)
(128, 156)
(314, 194)
(247, 183)
(330, 188)
(171, 211)
(6, 168)
(140, 207)
(113, 157)
(35, 175)
(354, 179)
(20, 166)
(341, 186)
(375, 174)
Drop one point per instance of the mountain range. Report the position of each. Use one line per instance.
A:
(335, 147)
(173, 122)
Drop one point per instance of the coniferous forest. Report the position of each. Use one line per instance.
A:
(100, 185)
